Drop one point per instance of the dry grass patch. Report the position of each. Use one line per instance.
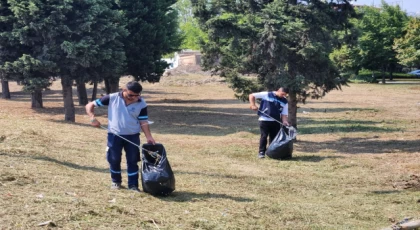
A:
(355, 166)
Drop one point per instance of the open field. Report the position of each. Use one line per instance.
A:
(356, 164)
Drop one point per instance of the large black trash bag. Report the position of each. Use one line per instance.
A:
(157, 177)
(282, 146)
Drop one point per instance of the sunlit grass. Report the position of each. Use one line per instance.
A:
(351, 166)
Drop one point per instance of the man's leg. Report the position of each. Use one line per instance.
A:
(264, 130)
(114, 152)
(132, 154)
(274, 128)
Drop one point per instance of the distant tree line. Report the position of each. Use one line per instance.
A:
(386, 40)
(308, 46)
(84, 41)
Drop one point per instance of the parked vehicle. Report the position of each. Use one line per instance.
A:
(415, 72)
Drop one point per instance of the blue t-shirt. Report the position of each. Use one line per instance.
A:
(123, 119)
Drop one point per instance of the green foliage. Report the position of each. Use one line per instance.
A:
(370, 76)
(32, 70)
(74, 36)
(346, 58)
(380, 27)
(36, 84)
(364, 78)
(193, 36)
(408, 46)
(153, 29)
(10, 47)
(281, 43)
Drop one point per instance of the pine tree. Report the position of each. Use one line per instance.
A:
(69, 39)
(153, 30)
(9, 47)
(283, 42)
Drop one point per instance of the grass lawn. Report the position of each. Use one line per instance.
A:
(356, 164)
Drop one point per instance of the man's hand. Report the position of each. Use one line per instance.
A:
(95, 123)
(150, 140)
(253, 107)
(286, 123)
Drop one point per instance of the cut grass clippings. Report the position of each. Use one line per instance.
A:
(355, 165)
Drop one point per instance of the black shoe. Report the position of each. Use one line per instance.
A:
(261, 155)
(134, 188)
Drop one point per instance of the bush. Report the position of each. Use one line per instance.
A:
(366, 76)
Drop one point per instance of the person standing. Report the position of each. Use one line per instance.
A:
(127, 115)
(273, 110)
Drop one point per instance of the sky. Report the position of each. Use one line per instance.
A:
(410, 6)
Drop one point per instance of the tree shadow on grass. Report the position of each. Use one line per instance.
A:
(312, 158)
(184, 196)
(309, 121)
(317, 126)
(345, 128)
(207, 121)
(334, 110)
(360, 146)
(64, 163)
(385, 192)
(239, 177)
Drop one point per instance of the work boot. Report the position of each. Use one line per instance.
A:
(261, 155)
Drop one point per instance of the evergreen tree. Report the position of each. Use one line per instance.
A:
(69, 38)
(153, 30)
(9, 47)
(283, 42)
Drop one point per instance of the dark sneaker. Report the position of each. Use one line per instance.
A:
(261, 155)
(116, 185)
(134, 188)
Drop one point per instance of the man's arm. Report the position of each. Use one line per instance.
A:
(284, 115)
(146, 130)
(284, 119)
(90, 112)
(252, 104)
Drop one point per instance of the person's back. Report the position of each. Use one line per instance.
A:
(273, 112)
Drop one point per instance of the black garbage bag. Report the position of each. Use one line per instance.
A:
(282, 146)
(157, 177)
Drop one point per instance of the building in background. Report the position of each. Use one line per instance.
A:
(184, 59)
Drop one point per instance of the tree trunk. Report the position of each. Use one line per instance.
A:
(107, 86)
(5, 92)
(81, 93)
(94, 90)
(383, 76)
(114, 85)
(36, 99)
(391, 70)
(69, 110)
(292, 101)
